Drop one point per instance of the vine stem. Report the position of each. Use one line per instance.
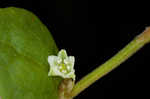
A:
(137, 43)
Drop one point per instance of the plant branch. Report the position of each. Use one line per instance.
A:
(137, 43)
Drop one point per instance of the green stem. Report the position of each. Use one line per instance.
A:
(112, 63)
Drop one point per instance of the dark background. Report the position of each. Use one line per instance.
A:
(93, 34)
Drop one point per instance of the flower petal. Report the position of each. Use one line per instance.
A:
(62, 54)
(52, 60)
(72, 60)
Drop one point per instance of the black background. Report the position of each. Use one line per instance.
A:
(93, 35)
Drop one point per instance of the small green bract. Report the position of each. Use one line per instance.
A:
(62, 65)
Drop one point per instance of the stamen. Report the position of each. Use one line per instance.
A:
(59, 67)
(66, 61)
(64, 71)
(68, 67)
(59, 60)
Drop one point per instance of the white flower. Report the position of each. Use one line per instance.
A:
(62, 65)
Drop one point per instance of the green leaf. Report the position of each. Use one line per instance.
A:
(25, 44)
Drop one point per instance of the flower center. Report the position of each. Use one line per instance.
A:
(64, 68)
